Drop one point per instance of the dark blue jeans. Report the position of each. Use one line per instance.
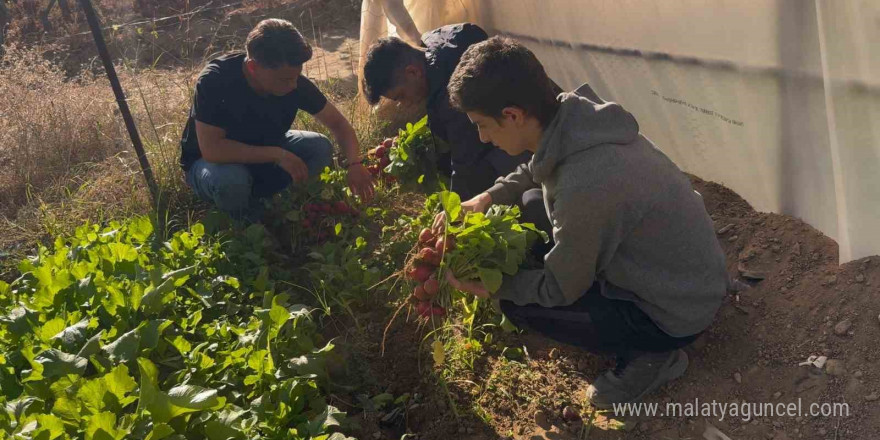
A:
(597, 324)
(533, 211)
(234, 187)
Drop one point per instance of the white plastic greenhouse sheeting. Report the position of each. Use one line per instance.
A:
(778, 100)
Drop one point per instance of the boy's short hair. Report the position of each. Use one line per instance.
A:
(274, 43)
(500, 72)
(384, 65)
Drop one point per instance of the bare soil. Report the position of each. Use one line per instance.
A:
(750, 354)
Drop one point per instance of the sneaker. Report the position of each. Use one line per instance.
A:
(631, 380)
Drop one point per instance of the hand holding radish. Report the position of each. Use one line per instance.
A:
(474, 287)
(360, 182)
(470, 255)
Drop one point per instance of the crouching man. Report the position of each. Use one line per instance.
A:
(238, 147)
(636, 269)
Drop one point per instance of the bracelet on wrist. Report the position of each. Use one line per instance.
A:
(351, 164)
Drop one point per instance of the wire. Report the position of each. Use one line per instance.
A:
(135, 23)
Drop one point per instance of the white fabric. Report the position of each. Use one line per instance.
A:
(778, 100)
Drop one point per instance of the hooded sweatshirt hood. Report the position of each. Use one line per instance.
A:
(601, 123)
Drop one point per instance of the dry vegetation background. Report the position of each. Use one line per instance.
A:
(65, 156)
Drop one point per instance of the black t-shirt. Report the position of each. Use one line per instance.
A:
(224, 99)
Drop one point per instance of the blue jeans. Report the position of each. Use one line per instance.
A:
(234, 187)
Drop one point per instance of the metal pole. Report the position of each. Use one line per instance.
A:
(120, 99)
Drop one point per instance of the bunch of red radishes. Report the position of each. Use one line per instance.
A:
(378, 158)
(422, 269)
(321, 218)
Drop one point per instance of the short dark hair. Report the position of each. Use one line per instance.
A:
(384, 65)
(500, 72)
(275, 42)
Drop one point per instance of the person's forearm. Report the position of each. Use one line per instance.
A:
(508, 189)
(535, 286)
(399, 16)
(348, 142)
(230, 151)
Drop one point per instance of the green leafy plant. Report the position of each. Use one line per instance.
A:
(318, 212)
(106, 336)
(413, 157)
(475, 246)
(338, 275)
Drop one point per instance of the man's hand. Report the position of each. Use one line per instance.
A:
(475, 288)
(480, 203)
(293, 165)
(360, 181)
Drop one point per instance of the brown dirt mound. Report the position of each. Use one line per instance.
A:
(805, 304)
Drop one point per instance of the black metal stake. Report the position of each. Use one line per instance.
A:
(121, 100)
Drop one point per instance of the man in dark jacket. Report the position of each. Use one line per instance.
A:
(418, 77)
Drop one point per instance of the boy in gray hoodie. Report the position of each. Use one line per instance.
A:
(635, 269)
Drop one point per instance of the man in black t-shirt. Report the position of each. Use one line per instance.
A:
(237, 145)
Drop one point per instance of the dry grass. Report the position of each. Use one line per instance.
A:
(65, 157)
(45, 125)
(62, 143)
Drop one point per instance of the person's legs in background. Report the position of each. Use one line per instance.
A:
(471, 179)
(534, 211)
(503, 163)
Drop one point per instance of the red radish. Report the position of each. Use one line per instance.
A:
(384, 162)
(420, 293)
(426, 309)
(431, 287)
(445, 244)
(426, 236)
(429, 256)
(388, 142)
(340, 207)
(420, 273)
(306, 224)
(326, 208)
(382, 151)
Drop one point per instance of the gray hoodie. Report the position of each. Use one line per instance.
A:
(622, 213)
